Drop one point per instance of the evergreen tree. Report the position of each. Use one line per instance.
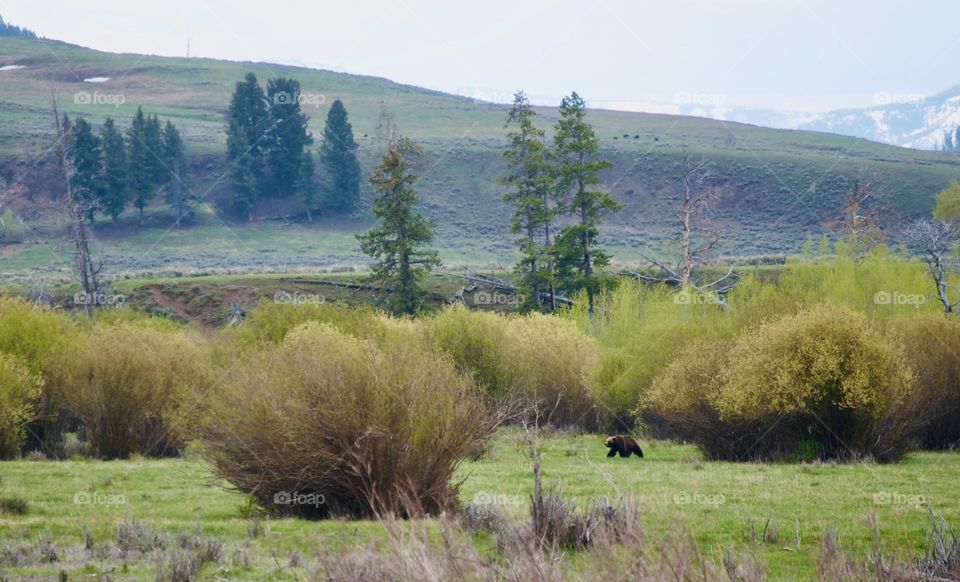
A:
(85, 157)
(287, 135)
(141, 164)
(338, 153)
(577, 151)
(175, 160)
(307, 185)
(7, 29)
(153, 137)
(247, 122)
(529, 184)
(397, 242)
(116, 188)
(243, 171)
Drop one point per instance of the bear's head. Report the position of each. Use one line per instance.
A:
(609, 442)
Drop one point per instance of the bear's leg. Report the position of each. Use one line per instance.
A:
(624, 454)
(638, 451)
(612, 453)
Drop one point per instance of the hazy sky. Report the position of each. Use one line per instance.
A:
(786, 54)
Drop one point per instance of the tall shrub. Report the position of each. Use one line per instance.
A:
(327, 424)
(39, 336)
(19, 394)
(482, 344)
(932, 343)
(124, 382)
(555, 359)
(828, 373)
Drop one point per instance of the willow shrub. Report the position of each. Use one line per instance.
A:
(124, 383)
(39, 336)
(823, 383)
(640, 329)
(324, 424)
(681, 402)
(839, 387)
(554, 359)
(19, 394)
(932, 343)
(269, 322)
(482, 344)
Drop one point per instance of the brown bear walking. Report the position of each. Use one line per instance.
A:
(623, 444)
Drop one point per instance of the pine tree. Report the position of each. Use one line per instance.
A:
(85, 156)
(338, 153)
(142, 165)
(287, 135)
(153, 133)
(529, 184)
(577, 150)
(247, 122)
(174, 158)
(243, 171)
(116, 188)
(397, 242)
(307, 185)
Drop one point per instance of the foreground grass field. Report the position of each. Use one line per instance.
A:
(776, 513)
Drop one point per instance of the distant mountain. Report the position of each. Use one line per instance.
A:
(901, 120)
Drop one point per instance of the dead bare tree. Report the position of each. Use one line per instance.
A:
(860, 216)
(696, 239)
(936, 242)
(78, 209)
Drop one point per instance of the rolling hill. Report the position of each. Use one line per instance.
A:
(777, 187)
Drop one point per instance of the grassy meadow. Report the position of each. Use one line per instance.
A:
(727, 507)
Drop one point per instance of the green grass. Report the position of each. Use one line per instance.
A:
(717, 502)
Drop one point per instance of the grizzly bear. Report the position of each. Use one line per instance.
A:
(623, 444)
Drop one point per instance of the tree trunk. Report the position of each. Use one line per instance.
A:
(83, 262)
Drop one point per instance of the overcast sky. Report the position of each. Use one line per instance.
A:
(808, 55)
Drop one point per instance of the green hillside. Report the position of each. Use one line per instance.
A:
(776, 187)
